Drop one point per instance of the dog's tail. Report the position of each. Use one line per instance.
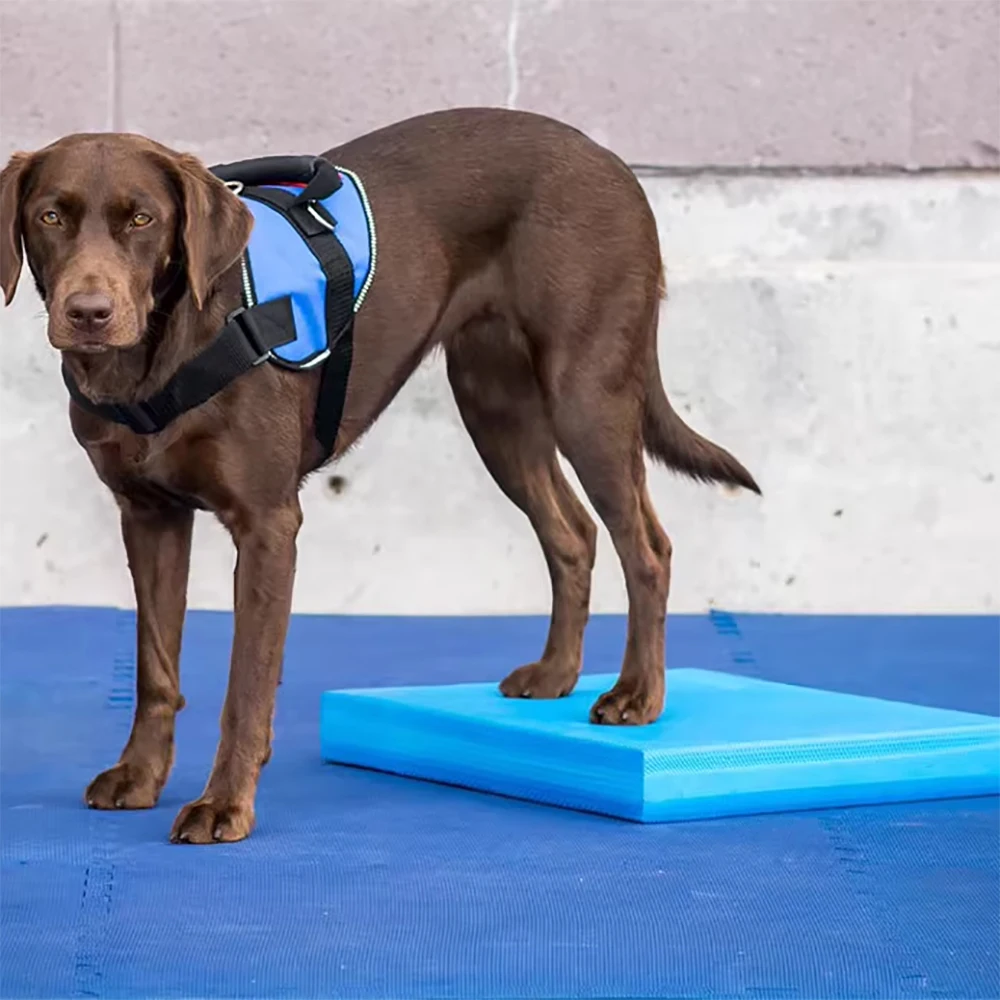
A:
(669, 440)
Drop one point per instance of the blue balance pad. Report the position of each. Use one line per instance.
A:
(724, 746)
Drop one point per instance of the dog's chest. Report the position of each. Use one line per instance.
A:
(145, 472)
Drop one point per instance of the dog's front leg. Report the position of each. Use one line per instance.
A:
(265, 570)
(158, 545)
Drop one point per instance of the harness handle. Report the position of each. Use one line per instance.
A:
(319, 175)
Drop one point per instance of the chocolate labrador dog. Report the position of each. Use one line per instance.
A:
(519, 246)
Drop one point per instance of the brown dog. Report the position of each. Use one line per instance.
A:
(526, 251)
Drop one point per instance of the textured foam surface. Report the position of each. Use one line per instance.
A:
(362, 885)
(725, 745)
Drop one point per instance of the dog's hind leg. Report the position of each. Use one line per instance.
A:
(598, 405)
(500, 401)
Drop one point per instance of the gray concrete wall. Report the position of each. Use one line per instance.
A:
(827, 83)
(841, 333)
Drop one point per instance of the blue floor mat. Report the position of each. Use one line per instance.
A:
(358, 884)
(943, 661)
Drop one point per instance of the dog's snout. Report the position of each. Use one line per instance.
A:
(89, 310)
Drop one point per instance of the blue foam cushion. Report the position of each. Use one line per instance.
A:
(725, 745)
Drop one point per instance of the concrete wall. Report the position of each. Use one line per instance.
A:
(840, 333)
(825, 83)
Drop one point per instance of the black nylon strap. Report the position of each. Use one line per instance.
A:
(242, 344)
(339, 273)
(310, 219)
(333, 389)
(327, 249)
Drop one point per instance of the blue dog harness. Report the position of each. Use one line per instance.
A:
(279, 261)
(306, 270)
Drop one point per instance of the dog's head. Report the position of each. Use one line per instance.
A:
(110, 224)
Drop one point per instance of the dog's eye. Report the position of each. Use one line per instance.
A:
(51, 218)
(141, 219)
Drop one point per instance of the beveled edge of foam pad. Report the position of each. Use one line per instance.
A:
(592, 770)
(577, 773)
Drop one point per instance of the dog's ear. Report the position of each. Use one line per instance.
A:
(215, 228)
(12, 179)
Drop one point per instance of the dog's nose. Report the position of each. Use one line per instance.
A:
(89, 310)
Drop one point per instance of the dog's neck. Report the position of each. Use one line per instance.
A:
(176, 331)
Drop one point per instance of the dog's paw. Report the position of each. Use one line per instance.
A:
(206, 821)
(628, 705)
(123, 786)
(540, 680)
